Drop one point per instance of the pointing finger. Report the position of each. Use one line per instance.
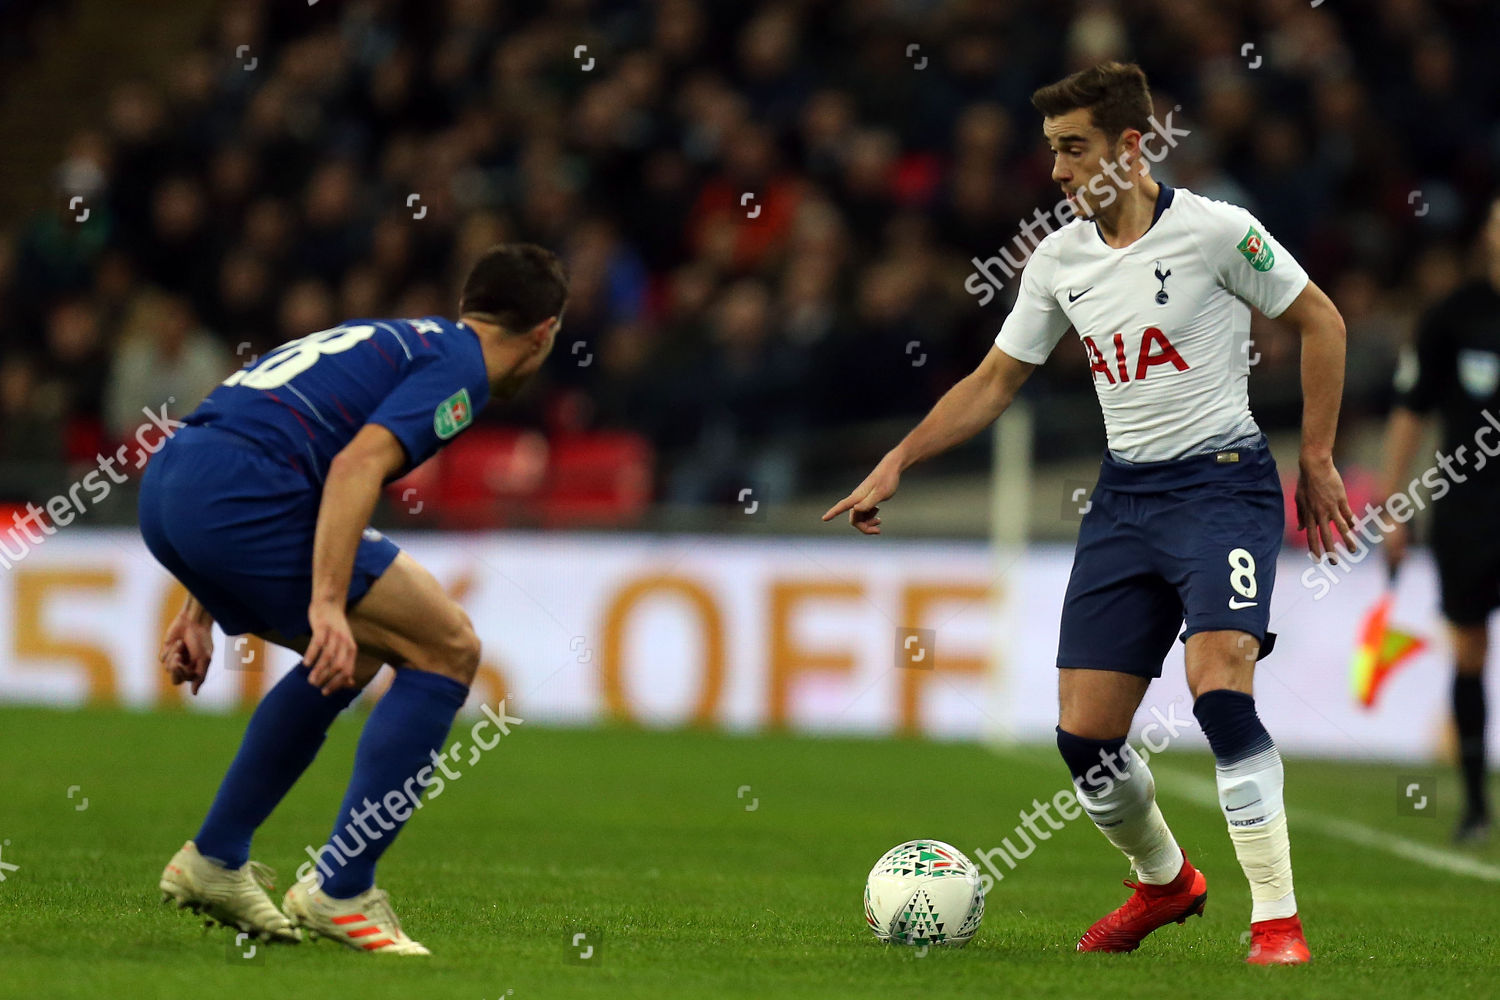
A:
(839, 507)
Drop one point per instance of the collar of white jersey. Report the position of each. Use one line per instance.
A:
(1164, 196)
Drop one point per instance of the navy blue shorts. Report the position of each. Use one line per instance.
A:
(1192, 541)
(236, 525)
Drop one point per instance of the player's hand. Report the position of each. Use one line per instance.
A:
(1323, 507)
(187, 649)
(331, 653)
(879, 485)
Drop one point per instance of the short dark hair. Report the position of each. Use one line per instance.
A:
(1115, 94)
(516, 286)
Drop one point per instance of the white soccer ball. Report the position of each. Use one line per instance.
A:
(924, 892)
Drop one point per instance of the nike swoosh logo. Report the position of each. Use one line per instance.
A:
(1247, 805)
(1075, 298)
(1235, 605)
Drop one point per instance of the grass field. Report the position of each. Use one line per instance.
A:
(645, 841)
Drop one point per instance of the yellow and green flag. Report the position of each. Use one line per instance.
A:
(1382, 648)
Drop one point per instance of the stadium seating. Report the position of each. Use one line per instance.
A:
(502, 477)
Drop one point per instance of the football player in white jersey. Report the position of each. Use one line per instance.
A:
(1185, 525)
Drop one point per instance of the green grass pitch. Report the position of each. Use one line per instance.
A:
(645, 841)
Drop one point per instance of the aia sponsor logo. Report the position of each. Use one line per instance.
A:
(1155, 349)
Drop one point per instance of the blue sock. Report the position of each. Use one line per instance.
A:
(1093, 763)
(405, 729)
(283, 737)
(1247, 765)
(1234, 730)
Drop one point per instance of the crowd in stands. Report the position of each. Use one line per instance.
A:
(769, 209)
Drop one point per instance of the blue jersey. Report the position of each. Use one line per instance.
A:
(421, 379)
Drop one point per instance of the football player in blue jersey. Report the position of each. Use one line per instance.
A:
(260, 506)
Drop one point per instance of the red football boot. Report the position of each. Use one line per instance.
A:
(1278, 942)
(1148, 908)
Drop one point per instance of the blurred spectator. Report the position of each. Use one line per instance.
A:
(744, 404)
(72, 375)
(244, 315)
(76, 362)
(164, 360)
(307, 307)
(31, 420)
(178, 251)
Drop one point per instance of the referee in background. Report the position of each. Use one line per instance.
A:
(1453, 372)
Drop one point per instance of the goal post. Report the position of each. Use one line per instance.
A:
(1011, 484)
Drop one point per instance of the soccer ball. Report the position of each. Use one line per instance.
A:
(924, 892)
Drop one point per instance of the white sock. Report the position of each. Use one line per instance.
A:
(1250, 793)
(1125, 811)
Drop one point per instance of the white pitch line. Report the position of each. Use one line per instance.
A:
(1205, 793)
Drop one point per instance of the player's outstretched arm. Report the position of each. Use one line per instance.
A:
(349, 494)
(1322, 506)
(188, 647)
(965, 410)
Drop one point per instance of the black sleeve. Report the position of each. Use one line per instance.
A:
(1426, 367)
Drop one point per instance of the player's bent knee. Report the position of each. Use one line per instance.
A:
(1098, 704)
(467, 654)
(453, 653)
(462, 653)
(1221, 660)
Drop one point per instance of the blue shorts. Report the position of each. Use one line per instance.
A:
(236, 526)
(1191, 541)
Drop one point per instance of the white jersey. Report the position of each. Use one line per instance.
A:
(1165, 321)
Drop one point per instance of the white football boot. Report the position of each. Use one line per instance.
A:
(234, 897)
(365, 923)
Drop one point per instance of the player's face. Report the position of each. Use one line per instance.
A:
(1081, 158)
